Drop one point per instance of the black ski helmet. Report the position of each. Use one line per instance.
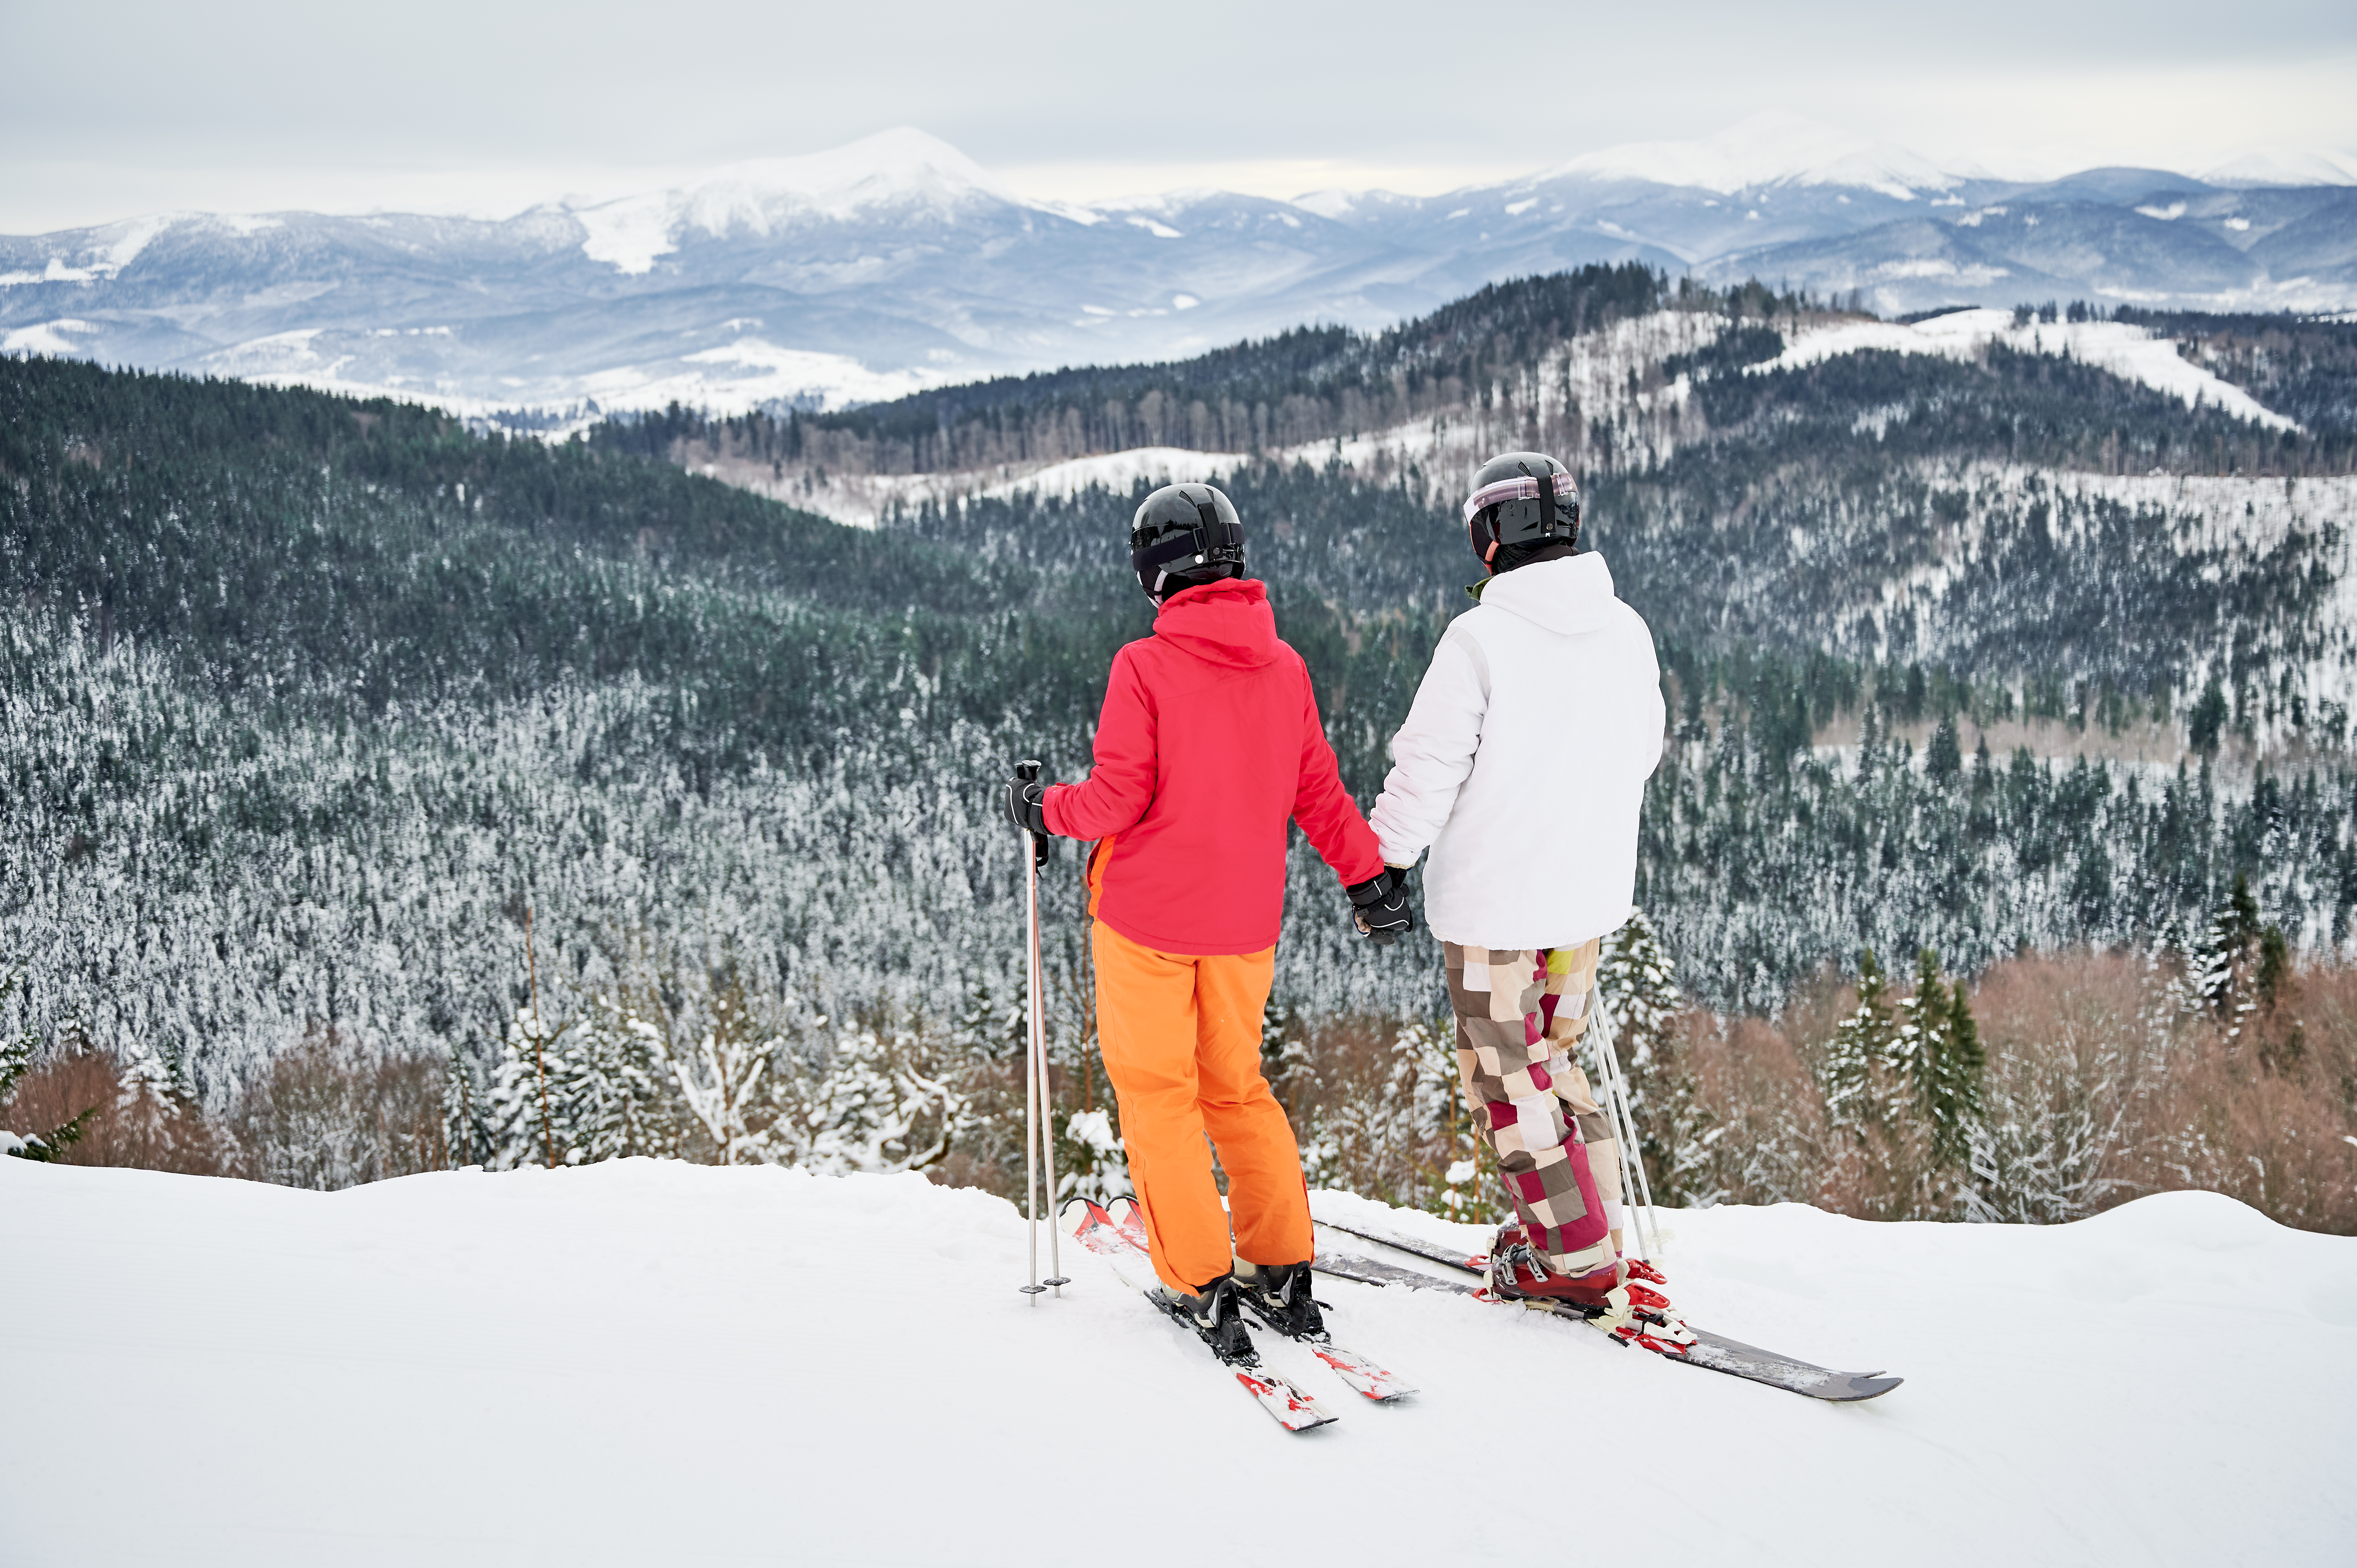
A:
(1185, 535)
(1521, 497)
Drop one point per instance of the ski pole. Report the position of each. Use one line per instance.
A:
(1634, 1182)
(1637, 1190)
(1039, 1061)
(1035, 1062)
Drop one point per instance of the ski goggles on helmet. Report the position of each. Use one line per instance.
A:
(1530, 507)
(1211, 541)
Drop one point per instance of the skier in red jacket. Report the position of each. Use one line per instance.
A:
(1208, 742)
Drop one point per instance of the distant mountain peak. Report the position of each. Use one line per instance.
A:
(1774, 149)
(901, 167)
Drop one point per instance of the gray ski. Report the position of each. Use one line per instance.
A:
(1714, 1351)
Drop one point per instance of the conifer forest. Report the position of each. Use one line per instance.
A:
(378, 793)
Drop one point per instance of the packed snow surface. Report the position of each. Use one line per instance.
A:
(644, 1362)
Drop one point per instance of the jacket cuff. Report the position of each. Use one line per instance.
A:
(1365, 870)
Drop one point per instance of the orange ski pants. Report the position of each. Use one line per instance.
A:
(1181, 1042)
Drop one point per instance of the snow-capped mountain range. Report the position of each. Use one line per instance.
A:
(898, 262)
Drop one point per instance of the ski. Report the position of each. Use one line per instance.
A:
(1361, 1375)
(1094, 1228)
(1714, 1351)
(1372, 1272)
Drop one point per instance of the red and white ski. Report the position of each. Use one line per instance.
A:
(1361, 1374)
(1087, 1223)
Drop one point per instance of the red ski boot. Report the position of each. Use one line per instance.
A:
(1519, 1271)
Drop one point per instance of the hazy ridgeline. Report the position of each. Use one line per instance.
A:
(305, 703)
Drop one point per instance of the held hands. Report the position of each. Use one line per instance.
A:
(1024, 807)
(1379, 906)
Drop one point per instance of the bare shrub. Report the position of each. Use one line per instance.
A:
(2076, 1045)
(332, 1113)
(2101, 1087)
(2261, 1113)
(138, 1121)
(1765, 1140)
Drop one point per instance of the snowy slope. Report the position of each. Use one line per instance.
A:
(659, 1363)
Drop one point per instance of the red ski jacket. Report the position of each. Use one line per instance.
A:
(1209, 740)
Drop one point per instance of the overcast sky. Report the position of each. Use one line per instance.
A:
(115, 107)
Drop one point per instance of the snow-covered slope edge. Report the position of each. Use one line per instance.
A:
(2128, 351)
(640, 1363)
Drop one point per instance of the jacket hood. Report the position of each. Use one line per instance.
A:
(1567, 596)
(1227, 623)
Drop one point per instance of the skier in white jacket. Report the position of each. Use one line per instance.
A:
(1521, 767)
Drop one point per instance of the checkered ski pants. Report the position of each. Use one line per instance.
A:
(1520, 1014)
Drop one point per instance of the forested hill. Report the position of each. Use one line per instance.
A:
(305, 701)
(1308, 384)
(1520, 357)
(2060, 505)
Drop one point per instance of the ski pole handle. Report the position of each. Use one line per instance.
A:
(1028, 771)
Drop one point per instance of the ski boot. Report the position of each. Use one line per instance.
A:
(1212, 1313)
(1278, 1295)
(1519, 1271)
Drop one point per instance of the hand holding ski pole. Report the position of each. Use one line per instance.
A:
(1024, 802)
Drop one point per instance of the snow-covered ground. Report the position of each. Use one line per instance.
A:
(652, 1363)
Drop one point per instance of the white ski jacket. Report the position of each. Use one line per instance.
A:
(1524, 761)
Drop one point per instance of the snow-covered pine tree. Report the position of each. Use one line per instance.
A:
(614, 1085)
(2218, 962)
(522, 1109)
(1855, 1067)
(1919, 1019)
(986, 1042)
(1869, 746)
(466, 1106)
(1939, 1048)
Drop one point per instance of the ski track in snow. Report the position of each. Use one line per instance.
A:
(644, 1362)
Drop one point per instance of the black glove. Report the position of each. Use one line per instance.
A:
(1023, 804)
(1380, 907)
